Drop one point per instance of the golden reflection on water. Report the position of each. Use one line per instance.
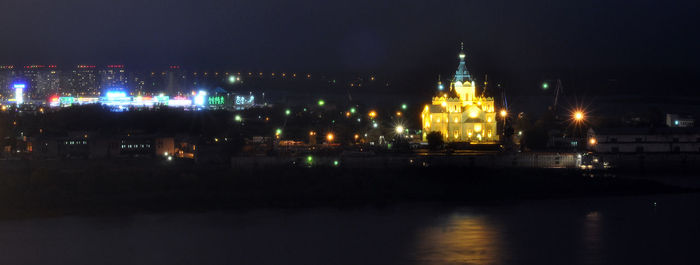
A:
(460, 239)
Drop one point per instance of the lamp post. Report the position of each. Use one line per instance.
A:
(504, 115)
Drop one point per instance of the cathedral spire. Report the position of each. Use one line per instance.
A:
(462, 74)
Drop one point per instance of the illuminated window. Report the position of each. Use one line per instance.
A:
(477, 127)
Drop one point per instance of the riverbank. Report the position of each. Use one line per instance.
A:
(50, 188)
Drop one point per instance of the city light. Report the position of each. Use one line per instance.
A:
(199, 98)
(115, 95)
(330, 137)
(335, 163)
(232, 79)
(545, 85)
(372, 114)
(353, 110)
(504, 113)
(592, 141)
(287, 112)
(578, 116)
(404, 106)
(321, 102)
(19, 92)
(399, 129)
(278, 131)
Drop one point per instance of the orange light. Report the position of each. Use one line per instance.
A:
(592, 141)
(578, 115)
(330, 137)
(372, 114)
(398, 113)
(312, 133)
(504, 113)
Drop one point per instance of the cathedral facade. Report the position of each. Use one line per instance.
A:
(459, 114)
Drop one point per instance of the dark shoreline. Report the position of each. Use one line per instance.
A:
(58, 188)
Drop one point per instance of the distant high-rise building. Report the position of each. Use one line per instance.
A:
(113, 77)
(43, 80)
(7, 76)
(176, 81)
(81, 81)
(138, 82)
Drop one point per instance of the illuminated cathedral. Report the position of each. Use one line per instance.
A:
(459, 114)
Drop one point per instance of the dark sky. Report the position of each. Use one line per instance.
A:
(516, 41)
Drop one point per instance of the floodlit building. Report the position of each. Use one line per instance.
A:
(460, 114)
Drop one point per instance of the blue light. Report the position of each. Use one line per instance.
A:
(115, 95)
(19, 92)
(199, 98)
(676, 122)
(441, 87)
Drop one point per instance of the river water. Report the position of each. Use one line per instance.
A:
(659, 229)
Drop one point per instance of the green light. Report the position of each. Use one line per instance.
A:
(278, 131)
(321, 102)
(545, 85)
(335, 163)
(237, 118)
(287, 112)
(231, 79)
(309, 159)
(352, 110)
(404, 106)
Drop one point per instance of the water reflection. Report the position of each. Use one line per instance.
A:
(592, 238)
(460, 239)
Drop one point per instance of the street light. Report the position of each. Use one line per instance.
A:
(287, 112)
(330, 137)
(399, 129)
(372, 114)
(578, 116)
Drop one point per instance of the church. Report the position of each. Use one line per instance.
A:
(460, 114)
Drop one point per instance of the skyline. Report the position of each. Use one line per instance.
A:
(520, 43)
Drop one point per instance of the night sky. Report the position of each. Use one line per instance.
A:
(517, 42)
